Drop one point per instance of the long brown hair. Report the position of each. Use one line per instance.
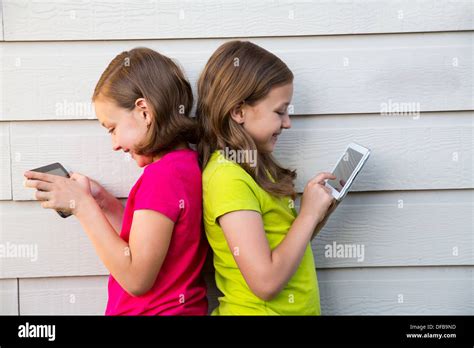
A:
(145, 73)
(240, 72)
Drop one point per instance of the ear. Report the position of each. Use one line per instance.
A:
(142, 106)
(238, 113)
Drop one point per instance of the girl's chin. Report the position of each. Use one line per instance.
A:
(272, 144)
(142, 161)
(268, 149)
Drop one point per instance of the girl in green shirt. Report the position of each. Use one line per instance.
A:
(262, 253)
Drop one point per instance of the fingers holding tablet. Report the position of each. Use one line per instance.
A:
(38, 184)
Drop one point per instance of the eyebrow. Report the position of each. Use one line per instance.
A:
(284, 104)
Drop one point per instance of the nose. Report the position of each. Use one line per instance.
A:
(286, 122)
(115, 145)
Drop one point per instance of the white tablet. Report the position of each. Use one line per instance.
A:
(346, 169)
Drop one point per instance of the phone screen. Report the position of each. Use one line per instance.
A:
(54, 169)
(57, 171)
(344, 168)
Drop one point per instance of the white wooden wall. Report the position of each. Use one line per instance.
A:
(412, 206)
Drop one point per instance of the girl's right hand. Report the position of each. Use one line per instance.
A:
(97, 190)
(317, 198)
(111, 206)
(99, 193)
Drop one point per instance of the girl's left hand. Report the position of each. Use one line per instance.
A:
(65, 194)
(320, 226)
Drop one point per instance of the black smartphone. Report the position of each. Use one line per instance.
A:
(54, 169)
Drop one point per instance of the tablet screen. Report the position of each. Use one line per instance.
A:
(344, 168)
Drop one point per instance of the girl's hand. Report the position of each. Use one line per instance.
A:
(321, 224)
(95, 188)
(316, 198)
(65, 194)
(100, 194)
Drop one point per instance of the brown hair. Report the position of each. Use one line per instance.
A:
(145, 73)
(240, 72)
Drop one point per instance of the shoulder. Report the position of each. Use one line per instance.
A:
(228, 187)
(177, 174)
(219, 170)
(174, 165)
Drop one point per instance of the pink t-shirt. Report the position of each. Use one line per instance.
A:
(171, 186)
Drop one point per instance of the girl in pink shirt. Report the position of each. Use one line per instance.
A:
(154, 248)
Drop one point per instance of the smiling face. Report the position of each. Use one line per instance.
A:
(265, 120)
(127, 128)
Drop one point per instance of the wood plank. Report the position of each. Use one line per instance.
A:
(313, 145)
(8, 297)
(1, 23)
(397, 291)
(5, 166)
(398, 229)
(63, 296)
(81, 146)
(76, 295)
(364, 291)
(432, 228)
(38, 243)
(333, 75)
(434, 151)
(153, 19)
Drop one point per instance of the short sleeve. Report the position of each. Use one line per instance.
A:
(230, 189)
(160, 190)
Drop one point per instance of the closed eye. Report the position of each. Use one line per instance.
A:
(111, 130)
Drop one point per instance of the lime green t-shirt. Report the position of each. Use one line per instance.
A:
(228, 187)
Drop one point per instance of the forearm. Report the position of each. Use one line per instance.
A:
(112, 208)
(286, 258)
(114, 252)
(321, 224)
